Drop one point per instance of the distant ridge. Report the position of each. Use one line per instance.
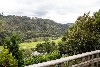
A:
(70, 23)
(29, 28)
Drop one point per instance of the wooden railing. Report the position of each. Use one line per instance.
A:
(88, 59)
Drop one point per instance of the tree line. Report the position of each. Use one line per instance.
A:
(29, 28)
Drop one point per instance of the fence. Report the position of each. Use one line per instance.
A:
(88, 59)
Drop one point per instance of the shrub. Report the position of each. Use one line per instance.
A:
(42, 58)
(7, 60)
(11, 43)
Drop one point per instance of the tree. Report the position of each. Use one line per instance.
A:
(82, 36)
(29, 28)
(11, 43)
(46, 47)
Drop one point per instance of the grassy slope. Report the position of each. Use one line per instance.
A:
(33, 44)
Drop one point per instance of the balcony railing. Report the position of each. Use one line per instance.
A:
(88, 59)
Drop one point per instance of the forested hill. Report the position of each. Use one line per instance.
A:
(29, 28)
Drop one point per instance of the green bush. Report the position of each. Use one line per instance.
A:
(11, 43)
(42, 58)
(7, 60)
(46, 47)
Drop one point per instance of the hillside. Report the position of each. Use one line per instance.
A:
(29, 28)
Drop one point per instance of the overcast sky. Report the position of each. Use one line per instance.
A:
(61, 11)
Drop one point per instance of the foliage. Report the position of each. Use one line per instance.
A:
(29, 28)
(11, 43)
(1, 47)
(83, 36)
(27, 53)
(46, 47)
(3, 34)
(7, 60)
(42, 58)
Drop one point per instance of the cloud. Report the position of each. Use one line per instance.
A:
(40, 13)
(61, 11)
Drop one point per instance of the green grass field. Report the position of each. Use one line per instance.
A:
(33, 44)
(57, 40)
(27, 45)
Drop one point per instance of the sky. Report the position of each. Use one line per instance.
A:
(61, 11)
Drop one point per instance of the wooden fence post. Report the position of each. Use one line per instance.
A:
(62, 64)
(70, 63)
(92, 65)
(97, 56)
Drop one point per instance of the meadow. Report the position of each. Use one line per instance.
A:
(28, 45)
